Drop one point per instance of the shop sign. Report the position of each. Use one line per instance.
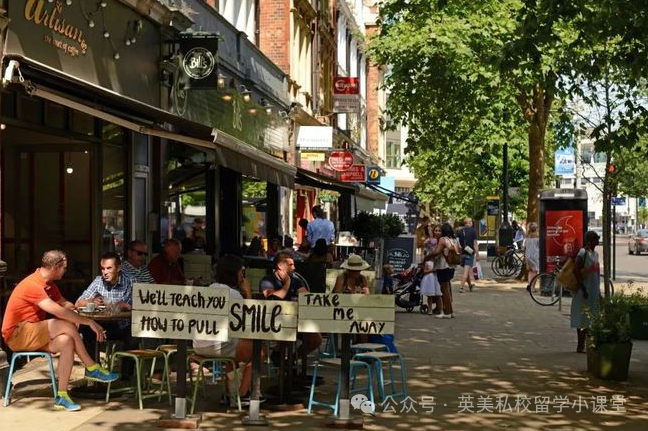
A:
(313, 157)
(373, 174)
(355, 174)
(199, 54)
(346, 94)
(102, 44)
(315, 137)
(341, 160)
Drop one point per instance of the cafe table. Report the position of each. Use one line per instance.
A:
(92, 389)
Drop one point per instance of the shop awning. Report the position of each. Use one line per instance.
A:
(231, 152)
(309, 178)
(369, 200)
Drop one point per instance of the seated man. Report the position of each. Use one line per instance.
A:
(111, 289)
(25, 328)
(164, 267)
(283, 285)
(135, 264)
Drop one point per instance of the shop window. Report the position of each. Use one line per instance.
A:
(255, 204)
(30, 109)
(84, 124)
(185, 204)
(55, 115)
(393, 155)
(113, 190)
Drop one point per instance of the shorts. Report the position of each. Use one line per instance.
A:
(445, 275)
(30, 337)
(467, 260)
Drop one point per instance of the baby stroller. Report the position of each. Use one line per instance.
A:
(408, 291)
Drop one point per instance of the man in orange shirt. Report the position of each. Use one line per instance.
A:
(26, 329)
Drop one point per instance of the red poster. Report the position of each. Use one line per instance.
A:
(564, 236)
(346, 85)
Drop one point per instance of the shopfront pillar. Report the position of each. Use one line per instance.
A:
(272, 212)
(230, 211)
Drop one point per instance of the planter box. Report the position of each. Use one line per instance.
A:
(609, 361)
(639, 323)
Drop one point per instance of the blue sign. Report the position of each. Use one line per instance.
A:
(565, 161)
(373, 174)
(619, 201)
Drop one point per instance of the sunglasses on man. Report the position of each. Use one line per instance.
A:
(140, 253)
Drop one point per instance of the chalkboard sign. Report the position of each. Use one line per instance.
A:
(400, 252)
(344, 313)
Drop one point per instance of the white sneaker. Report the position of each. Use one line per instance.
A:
(448, 316)
(462, 289)
(439, 316)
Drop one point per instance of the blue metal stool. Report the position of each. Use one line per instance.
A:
(379, 358)
(369, 347)
(337, 363)
(17, 355)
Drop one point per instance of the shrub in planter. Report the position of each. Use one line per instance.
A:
(639, 315)
(609, 344)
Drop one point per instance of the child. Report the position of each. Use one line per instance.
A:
(388, 280)
(430, 287)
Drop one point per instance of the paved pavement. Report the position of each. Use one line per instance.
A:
(499, 345)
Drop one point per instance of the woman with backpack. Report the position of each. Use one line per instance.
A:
(447, 254)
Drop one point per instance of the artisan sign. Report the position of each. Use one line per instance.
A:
(343, 313)
(315, 137)
(180, 312)
(263, 320)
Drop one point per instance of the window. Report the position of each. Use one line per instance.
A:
(393, 155)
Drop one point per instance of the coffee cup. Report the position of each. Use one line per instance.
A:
(91, 307)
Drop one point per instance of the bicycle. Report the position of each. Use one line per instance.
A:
(546, 290)
(508, 264)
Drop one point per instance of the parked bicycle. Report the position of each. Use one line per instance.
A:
(546, 290)
(508, 264)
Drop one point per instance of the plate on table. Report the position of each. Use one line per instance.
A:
(86, 310)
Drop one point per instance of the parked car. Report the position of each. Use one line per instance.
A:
(638, 243)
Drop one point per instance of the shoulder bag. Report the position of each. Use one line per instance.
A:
(453, 258)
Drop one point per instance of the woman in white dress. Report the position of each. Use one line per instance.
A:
(430, 286)
(532, 251)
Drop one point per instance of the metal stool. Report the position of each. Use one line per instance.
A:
(17, 355)
(200, 378)
(378, 358)
(369, 347)
(140, 356)
(355, 366)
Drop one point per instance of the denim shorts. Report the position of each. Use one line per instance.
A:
(467, 259)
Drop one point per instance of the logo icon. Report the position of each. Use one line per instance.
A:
(198, 63)
(360, 401)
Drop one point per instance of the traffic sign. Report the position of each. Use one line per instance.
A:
(341, 160)
(355, 174)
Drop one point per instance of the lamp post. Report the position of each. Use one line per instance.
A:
(505, 231)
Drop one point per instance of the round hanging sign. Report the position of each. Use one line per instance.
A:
(341, 160)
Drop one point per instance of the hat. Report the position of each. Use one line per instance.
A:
(355, 263)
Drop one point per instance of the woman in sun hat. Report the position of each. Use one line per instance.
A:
(351, 280)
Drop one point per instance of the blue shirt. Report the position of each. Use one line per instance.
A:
(138, 275)
(121, 291)
(272, 282)
(320, 228)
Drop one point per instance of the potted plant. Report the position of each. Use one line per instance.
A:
(609, 344)
(639, 315)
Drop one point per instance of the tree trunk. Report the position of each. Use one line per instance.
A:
(536, 108)
(608, 192)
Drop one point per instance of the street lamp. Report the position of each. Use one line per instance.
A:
(505, 231)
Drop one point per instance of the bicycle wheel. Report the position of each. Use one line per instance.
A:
(501, 266)
(544, 289)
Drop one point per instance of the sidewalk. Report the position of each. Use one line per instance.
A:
(501, 344)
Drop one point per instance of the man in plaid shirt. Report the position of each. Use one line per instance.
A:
(111, 289)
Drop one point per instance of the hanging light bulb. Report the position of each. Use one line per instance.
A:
(68, 168)
(103, 4)
(127, 42)
(106, 34)
(3, 126)
(68, 2)
(116, 56)
(91, 24)
(220, 81)
(245, 93)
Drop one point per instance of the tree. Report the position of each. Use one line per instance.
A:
(456, 64)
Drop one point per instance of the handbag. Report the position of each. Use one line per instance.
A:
(478, 274)
(453, 258)
(567, 276)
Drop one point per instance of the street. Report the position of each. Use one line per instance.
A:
(628, 267)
